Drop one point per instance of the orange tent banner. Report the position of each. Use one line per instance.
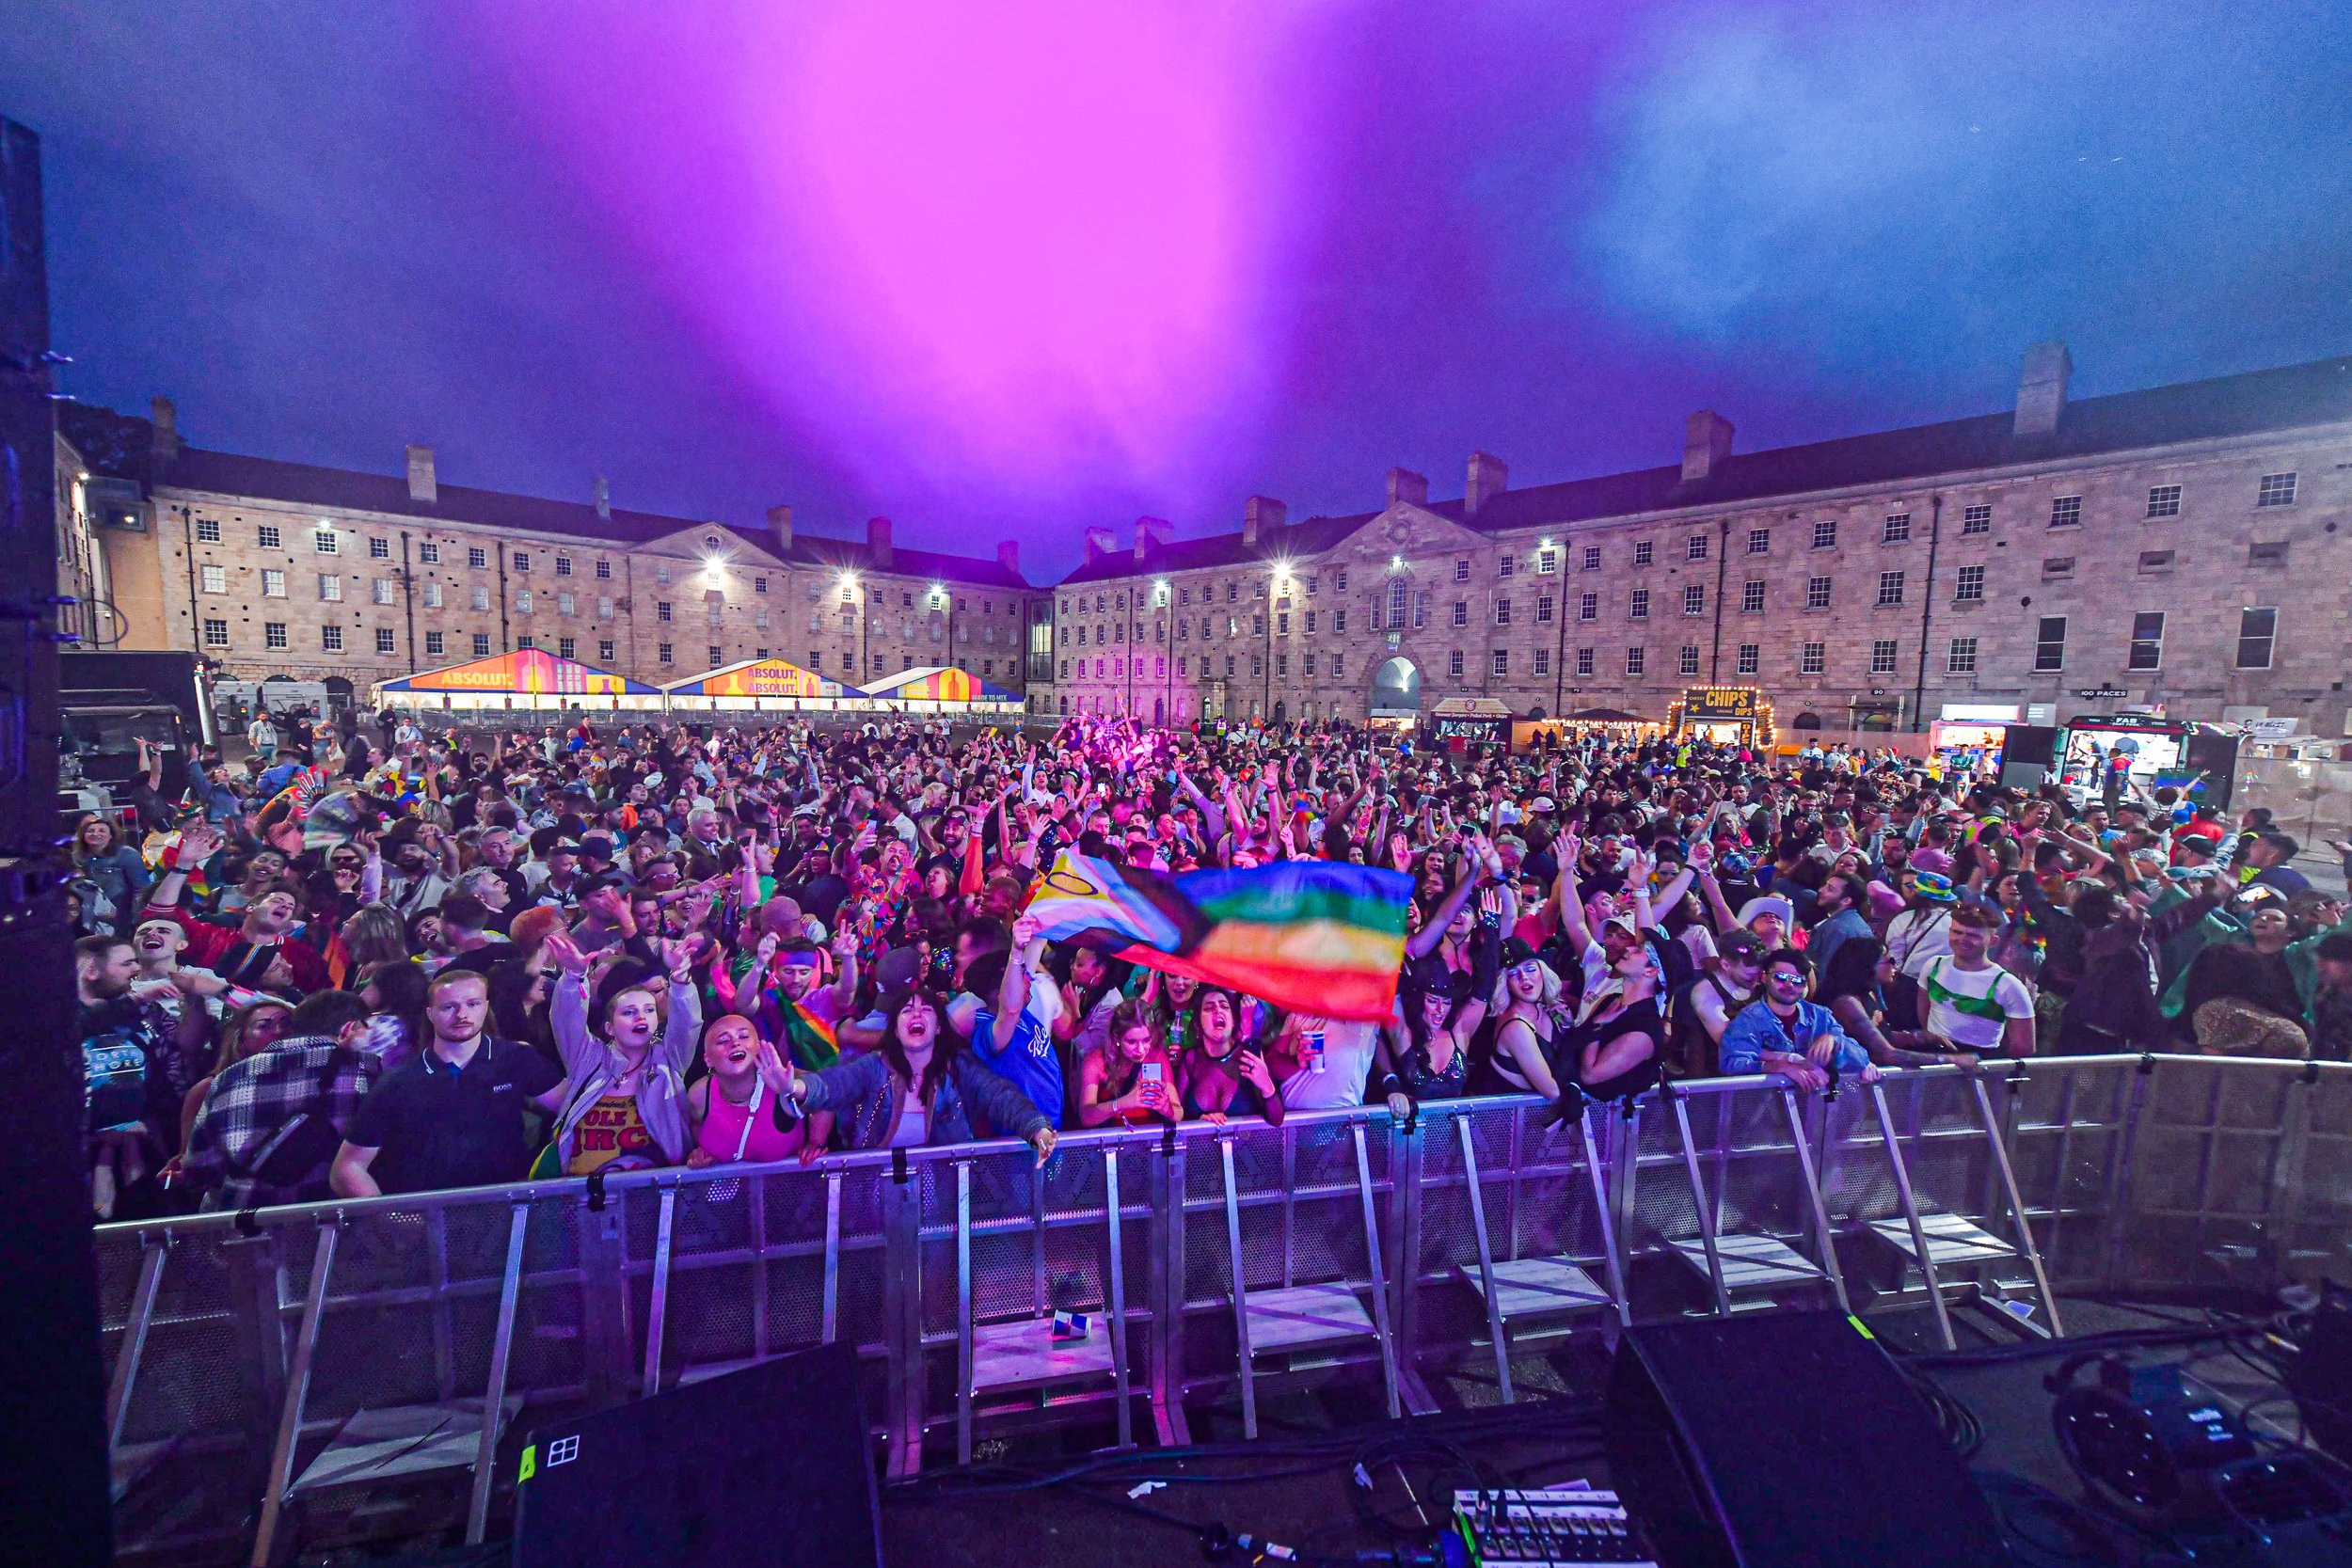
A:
(528, 672)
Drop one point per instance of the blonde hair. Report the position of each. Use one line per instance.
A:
(1554, 988)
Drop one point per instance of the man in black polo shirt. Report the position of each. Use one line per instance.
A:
(450, 1115)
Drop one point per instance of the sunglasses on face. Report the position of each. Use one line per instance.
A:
(1783, 977)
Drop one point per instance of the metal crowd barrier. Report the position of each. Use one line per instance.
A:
(395, 1342)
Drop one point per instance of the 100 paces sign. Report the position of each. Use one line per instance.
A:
(1719, 701)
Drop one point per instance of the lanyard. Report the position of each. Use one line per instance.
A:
(743, 1140)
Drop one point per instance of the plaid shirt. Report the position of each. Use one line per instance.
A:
(253, 1099)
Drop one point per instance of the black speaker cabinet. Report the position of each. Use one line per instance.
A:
(1786, 1441)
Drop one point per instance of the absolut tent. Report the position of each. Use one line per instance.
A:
(528, 678)
(760, 684)
(938, 688)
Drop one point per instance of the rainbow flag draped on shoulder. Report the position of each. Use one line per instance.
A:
(1319, 936)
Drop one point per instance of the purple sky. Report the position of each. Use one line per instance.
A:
(1009, 270)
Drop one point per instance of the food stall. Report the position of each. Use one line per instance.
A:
(761, 686)
(526, 680)
(939, 688)
(2157, 751)
(1967, 737)
(1724, 716)
(1460, 724)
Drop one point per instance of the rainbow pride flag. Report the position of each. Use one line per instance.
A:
(1325, 938)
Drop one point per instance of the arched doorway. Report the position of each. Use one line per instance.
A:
(1396, 689)
(1805, 721)
(338, 693)
(1281, 709)
(1159, 714)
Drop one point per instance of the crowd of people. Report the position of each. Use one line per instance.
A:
(373, 959)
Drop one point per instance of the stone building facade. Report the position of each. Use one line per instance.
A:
(270, 568)
(2189, 545)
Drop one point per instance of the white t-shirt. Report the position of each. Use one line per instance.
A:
(1346, 1064)
(1947, 984)
(1918, 937)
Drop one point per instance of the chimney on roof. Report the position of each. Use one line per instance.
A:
(1101, 542)
(1706, 442)
(878, 542)
(1407, 486)
(1152, 533)
(1261, 515)
(421, 484)
(2041, 389)
(604, 499)
(1008, 555)
(166, 437)
(1488, 478)
(780, 524)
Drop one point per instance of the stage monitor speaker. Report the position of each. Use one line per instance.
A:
(1782, 1440)
(767, 1467)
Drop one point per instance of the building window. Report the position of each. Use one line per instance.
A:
(215, 578)
(1585, 663)
(2066, 511)
(1961, 658)
(1454, 662)
(526, 641)
(1396, 603)
(324, 542)
(604, 605)
(481, 644)
(1817, 592)
(2049, 643)
(2147, 640)
(266, 534)
(1461, 612)
(604, 568)
(1420, 608)
(2266, 553)
(2164, 501)
(1694, 548)
(1643, 553)
(2277, 490)
(1461, 569)
(759, 584)
(1825, 535)
(604, 653)
(477, 558)
(1976, 519)
(1693, 600)
(1812, 659)
(273, 583)
(1547, 562)
(1591, 557)
(2257, 637)
(2057, 567)
(215, 634)
(1890, 588)
(2155, 561)
(1752, 596)
(436, 645)
(662, 572)
(662, 610)
(568, 647)
(715, 651)
(1687, 662)
(520, 559)
(207, 530)
(1306, 665)
(432, 595)
(667, 652)
(330, 587)
(380, 590)
(1543, 661)
(1502, 661)
(1340, 583)
(1542, 610)
(384, 644)
(1229, 666)
(1970, 589)
(1636, 660)
(1882, 657)
(1749, 660)
(479, 597)
(562, 566)
(1898, 529)
(1502, 612)
(1640, 604)
(1588, 606)
(379, 549)
(429, 554)
(522, 601)
(274, 634)
(1506, 565)
(565, 604)
(1759, 541)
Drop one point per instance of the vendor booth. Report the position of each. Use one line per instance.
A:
(761, 686)
(1722, 716)
(939, 688)
(1460, 723)
(526, 680)
(1967, 737)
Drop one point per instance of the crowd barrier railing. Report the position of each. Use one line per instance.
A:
(301, 1348)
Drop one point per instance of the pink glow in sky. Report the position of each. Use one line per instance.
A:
(1020, 244)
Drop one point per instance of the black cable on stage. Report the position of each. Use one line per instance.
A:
(2117, 1339)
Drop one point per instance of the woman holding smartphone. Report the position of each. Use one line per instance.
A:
(1128, 1080)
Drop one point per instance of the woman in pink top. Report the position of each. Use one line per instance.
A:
(731, 1112)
